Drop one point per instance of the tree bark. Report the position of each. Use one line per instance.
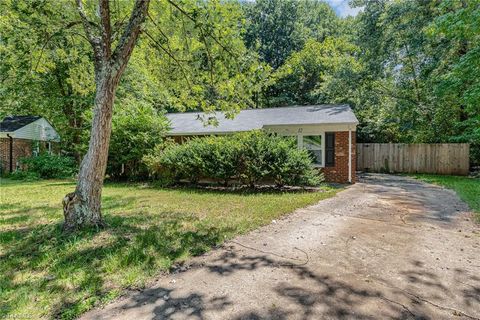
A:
(83, 207)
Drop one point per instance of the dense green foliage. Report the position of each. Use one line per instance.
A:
(191, 60)
(136, 131)
(420, 81)
(324, 71)
(46, 166)
(23, 175)
(251, 158)
(278, 28)
(408, 68)
(47, 274)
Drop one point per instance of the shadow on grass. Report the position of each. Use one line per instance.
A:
(216, 188)
(74, 272)
(62, 275)
(243, 190)
(61, 183)
(20, 209)
(13, 219)
(110, 203)
(18, 213)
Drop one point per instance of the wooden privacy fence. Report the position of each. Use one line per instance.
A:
(439, 158)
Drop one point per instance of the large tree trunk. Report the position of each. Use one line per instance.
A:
(82, 207)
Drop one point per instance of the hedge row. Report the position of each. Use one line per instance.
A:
(45, 166)
(251, 158)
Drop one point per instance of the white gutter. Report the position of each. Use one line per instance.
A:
(265, 126)
(350, 155)
(203, 133)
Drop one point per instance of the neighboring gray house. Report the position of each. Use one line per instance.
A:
(24, 136)
(328, 131)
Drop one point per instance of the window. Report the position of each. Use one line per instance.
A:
(314, 146)
(36, 149)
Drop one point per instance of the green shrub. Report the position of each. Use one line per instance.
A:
(221, 158)
(176, 162)
(256, 157)
(24, 175)
(48, 166)
(163, 173)
(135, 131)
(251, 158)
(291, 166)
(186, 160)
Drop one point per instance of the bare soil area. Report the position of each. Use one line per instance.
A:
(388, 247)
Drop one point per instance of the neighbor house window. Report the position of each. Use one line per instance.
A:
(36, 149)
(314, 146)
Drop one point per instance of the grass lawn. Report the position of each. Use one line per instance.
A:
(47, 274)
(467, 188)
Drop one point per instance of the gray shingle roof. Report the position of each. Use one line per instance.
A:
(12, 123)
(189, 124)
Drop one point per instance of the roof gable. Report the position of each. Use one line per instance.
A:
(252, 119)
(13, 123)
(28, 127)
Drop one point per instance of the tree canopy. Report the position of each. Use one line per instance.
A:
(408, 68)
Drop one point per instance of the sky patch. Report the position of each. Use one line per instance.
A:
(342, 8)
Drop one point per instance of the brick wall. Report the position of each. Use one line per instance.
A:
(4, 154)
(339, 173)
(21, 148)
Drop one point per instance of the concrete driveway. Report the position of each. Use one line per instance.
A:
(388, 247)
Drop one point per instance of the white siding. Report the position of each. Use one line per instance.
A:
(309, 129)
(38, 130)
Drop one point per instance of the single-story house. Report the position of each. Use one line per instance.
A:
(327, 131)
(24, 136)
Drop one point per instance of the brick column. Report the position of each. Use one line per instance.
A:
(339, 172)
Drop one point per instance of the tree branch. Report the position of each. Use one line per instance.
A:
(209, 56)
(87, 25)
(167, 39)
(391, 94)
(186, 14)
(159, 46)
(42, 49)
(106, 28)
(94, 40)
(130, 35)
(118, 26)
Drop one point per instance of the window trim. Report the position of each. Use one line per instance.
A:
(36, 148)
(300, 146)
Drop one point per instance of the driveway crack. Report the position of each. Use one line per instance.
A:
(420, 298)
(307, 258)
